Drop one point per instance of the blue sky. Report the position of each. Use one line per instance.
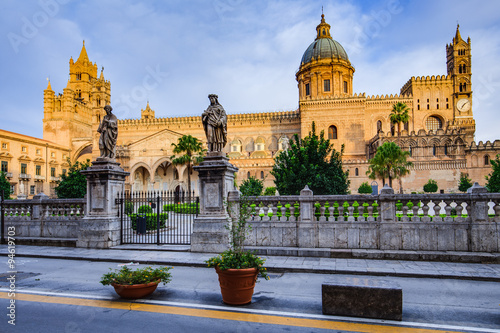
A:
(174, 53)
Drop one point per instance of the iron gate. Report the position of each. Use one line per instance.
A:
(157, 217)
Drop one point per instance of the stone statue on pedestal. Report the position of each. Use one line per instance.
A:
(215, 125)
(109, 133)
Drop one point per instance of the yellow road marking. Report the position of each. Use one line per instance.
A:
(226, 315)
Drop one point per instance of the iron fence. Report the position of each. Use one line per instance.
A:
(157, 217)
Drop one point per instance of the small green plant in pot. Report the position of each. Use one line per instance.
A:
(136, 283)
(238, 269)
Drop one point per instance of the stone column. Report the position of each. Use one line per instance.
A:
(216, 177)
(307, 228)
(100, 228)
(390, 229)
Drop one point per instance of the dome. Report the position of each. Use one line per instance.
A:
(324, 48)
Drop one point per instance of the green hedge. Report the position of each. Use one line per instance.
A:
(150, 220)
(185, 208)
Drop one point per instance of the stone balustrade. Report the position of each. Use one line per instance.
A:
(44, 217)
(467, 222)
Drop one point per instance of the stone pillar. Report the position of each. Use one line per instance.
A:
(307, 228)
(216, 177)
(390, 229)
(100, 228)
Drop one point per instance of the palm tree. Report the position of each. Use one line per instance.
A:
(399, 114)
(389, 162)
(192, 151)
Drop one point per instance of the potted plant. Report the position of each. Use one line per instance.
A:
(238, 269)
(138, 283)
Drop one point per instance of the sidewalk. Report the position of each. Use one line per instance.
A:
(180, 256)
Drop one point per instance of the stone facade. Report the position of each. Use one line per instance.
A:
(32, 165)
(440, 133)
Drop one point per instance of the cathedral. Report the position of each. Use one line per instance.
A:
(439, 134)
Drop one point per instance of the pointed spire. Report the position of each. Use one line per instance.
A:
(48, 86)
(83, 54)
(102, 75)
(457, 34)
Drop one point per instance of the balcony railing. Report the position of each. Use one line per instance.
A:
(38, 177)
(8, 174)
(24, 176)
(55, 179)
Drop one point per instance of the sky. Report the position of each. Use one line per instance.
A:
(174, 53)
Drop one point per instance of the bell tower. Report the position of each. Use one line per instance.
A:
(69, 117)
(458, 61)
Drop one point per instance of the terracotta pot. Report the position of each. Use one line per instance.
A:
(236, 285)
(134, 291)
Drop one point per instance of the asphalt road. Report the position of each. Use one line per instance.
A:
(289, 302)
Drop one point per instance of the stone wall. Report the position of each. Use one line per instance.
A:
(436, 222)
(44, 218)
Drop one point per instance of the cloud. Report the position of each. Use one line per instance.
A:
(245, 51)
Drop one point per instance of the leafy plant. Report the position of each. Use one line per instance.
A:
(270, 191)
(464, 183)
(145, 209)
(126, 276)
(364, 188)
(310, 161)
(151, 220)
(389, 162)
(73, 184)
(236, 257)
(4, 186)
(493, 179)
(129, 207)
(251, 187)
(192, 154)
(431, 186)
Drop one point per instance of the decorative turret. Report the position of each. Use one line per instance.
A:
(147, 113)
(323, 29)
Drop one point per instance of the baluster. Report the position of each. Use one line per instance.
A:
(459, 209)
(497, 212)
(415, 209)
(437, 212)
(425, 210)
(274, 209)
(322, 208)
(350, 210)
(265, 217)
(448, 209)
(292, 217)
(331, 209)
(341, 212)
(404, 210)
(283, 213)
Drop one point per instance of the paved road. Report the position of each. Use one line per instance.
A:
(55, 295)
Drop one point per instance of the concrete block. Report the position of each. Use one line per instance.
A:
(362, 297)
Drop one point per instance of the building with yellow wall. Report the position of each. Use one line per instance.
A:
(439, 134)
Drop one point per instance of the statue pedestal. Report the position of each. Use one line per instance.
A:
(100, 227)
(216, 176)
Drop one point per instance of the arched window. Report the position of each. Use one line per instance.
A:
(356, 172)
(236, 146)
(434, 150)
(262, 175)
(486, 160)
(176, 174)
(332, 132)
(433, 123)
(410, 150)
(379, 126)
(260, 144)
(248, 174)
(446, 149)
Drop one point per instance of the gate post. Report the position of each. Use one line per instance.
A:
(216, 176)
(101, 227)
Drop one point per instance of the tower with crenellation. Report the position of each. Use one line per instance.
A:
(71, 118)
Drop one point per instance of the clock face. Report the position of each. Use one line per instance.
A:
(463, 105)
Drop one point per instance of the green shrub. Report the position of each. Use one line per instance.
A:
(150, 220)
(144, 209)
(251, 187)
(431, 186)
(365, 188)
(129, 207)
(270, 191)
